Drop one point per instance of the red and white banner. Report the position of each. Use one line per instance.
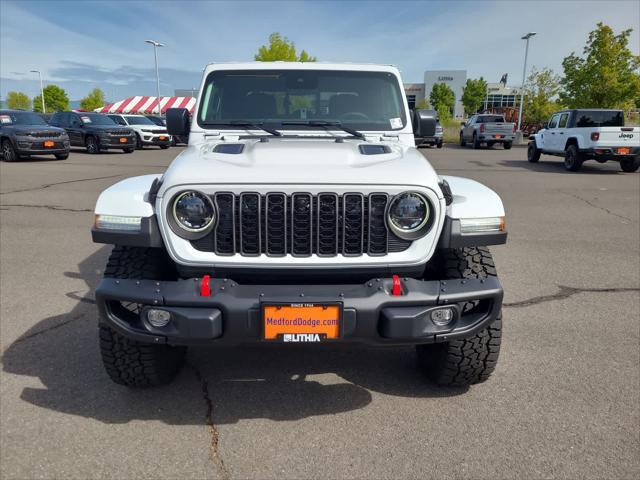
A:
(143, 104)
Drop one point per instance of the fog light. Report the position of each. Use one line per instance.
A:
(442, 316)
(158, 318)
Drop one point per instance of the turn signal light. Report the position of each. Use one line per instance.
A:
(482, 128)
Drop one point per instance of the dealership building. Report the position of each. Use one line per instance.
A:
(498, 94)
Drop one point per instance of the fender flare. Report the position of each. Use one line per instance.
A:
(129, 198)
(471, 200)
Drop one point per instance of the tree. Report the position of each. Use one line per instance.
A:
(280, 48)
(94, 100)
(474, 93)
(422, 104)
(55, 99)
(606, 77)
(443, 100)
(540, 95)
(18, 100)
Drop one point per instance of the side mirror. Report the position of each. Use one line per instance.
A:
(545, 125)
(464, 124)
(178, 121)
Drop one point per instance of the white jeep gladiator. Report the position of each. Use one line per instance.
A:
(300, 211)
(579, 135)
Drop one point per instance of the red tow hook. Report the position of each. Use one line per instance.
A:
(205, 287)
(396, 290)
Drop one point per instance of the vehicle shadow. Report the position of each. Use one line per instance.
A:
(555, 166)
(274, 382)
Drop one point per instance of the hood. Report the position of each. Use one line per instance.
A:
(300, 161)
(38, 129)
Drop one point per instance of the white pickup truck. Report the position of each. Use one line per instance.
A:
(594, 134)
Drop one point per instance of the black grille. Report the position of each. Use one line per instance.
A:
(45, 134)
(301, 224)
(119, 132)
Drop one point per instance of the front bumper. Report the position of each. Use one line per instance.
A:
(155, 140)
(232, 313)
(114, 141)
(31, 147)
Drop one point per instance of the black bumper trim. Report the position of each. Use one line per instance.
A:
(451, 236)
(148, 236)
(231, 315)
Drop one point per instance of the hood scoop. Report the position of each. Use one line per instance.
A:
(229, 148)
(368, 149)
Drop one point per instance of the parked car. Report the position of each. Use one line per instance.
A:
(588, 134)
(25, 133)
(315, 220)
(489, 129)
(94, 131)
(427, 132)
(147, 132)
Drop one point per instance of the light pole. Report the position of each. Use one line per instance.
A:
(155, 54)
(524, 73)
(41, 89)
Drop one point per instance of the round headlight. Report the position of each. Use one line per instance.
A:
(193, 211)
(408, 213)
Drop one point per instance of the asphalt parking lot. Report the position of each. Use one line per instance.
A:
(562, 403)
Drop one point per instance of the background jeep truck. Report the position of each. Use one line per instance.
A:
(579, 135)
(301, 211)
(489, 129)
(94, 131)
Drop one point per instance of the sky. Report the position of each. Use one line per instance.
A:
(81, 45)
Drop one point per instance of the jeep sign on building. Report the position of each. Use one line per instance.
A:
(455, 79)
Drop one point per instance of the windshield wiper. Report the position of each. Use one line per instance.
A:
(324, 124)
(242, 123)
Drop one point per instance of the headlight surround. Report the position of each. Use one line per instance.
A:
(409, 215)
(191, 214)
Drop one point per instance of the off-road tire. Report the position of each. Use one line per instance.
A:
(61, 156)
(471, 360)
(126, 361)
(463, 142)
(630, 165)
(139, 145)
(476, 142)
(533, 153)
(128, 150)
(439, 145)
(91, 144)
(507, 145)
(8, 152)
(164, 147)
(573, 159)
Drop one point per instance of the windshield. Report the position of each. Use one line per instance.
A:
(21, 118)
(138, 121)
(157, 120)
(359, 100)
(600, 118)
(491, 119)
(96, 119)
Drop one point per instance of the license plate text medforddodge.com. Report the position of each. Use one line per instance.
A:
(301, 322)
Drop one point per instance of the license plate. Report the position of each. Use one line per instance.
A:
(49, 144)
(624, 151)
(123, 140)
(301, 322)
(498, 136)
(162, 137)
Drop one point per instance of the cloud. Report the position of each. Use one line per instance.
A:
(103, 43)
